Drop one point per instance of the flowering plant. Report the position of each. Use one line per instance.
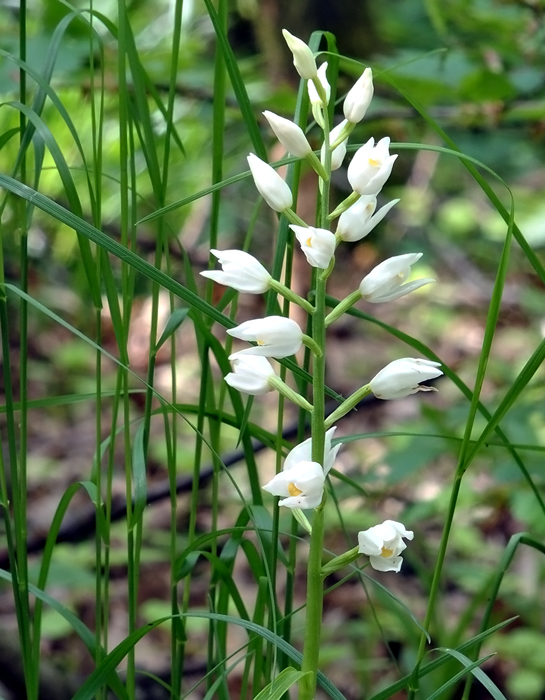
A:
(302, 482)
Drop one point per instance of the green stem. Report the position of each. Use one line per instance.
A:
(291, 394)
(347, 405)
(311, 344)
(317, 165)
(290, 295)
(341, 561)
(315, 593)
(315, 587)
(292, 217)
(343, 306)
(344, 205)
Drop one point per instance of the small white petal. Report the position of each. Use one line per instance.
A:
(303, 452)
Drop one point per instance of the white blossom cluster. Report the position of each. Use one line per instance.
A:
(301, 482)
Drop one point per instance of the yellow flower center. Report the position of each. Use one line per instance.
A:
(293, 490)
(309, 241)
(374, 163)
(260, 342)
(386, 552)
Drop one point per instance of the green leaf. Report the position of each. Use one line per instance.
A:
(81, 630)
(280, 685)
(139, 477)
(99, 676)
(469, 667)
(175, 320)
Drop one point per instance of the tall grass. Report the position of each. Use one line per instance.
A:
(110, 273)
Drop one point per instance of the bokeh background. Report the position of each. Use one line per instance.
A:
(478, 69)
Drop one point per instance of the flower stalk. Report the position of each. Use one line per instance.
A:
(315, 581)
(301, 481)
(342, 307)
(351, 402)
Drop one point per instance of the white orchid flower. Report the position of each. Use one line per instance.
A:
(318, 244)
(241, 271)
(371, 167)
(302, 480)
(383, 544)
(251, 374)
(359, 97)
(289, 134)
(360, 219)
(276, 336)
(402, 377)
(302, 486)
(270, 185)
(385, 281)
(303, 58)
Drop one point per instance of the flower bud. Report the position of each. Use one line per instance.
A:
(359, 97)
(337, 156)
(314, 97)
(385, 281)
(383, 544)
(371, 167)
(401, 378)
(276, 336)
(289, 134)
(303, 58)
(270, 185)
(317, 244)
(251, 374)
(241, 271)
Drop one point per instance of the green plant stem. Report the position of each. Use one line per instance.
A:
(346, 406)
(290, 295)
(315, 587)
(311, 648)
(343, 306)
